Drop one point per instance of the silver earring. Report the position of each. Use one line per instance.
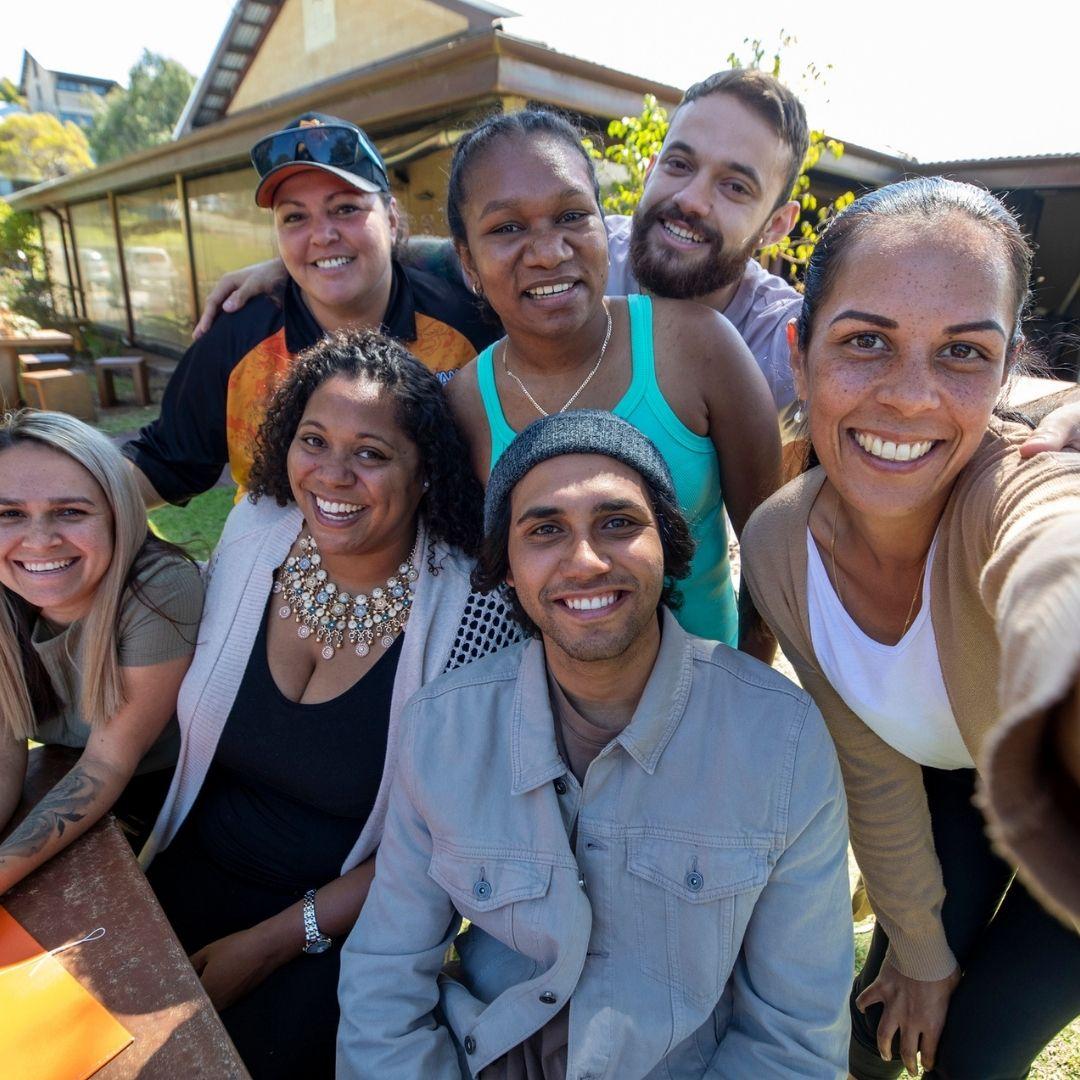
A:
(798, 416)
(478, 290)
(427, 484)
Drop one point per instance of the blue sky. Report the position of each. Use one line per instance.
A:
(933, 78)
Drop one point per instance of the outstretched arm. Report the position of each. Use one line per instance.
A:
(237, 287)
(96, 780)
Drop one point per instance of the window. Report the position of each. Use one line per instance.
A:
(227, 229)
(99, 264)
(156, 263)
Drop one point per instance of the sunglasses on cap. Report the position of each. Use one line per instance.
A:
(337, 146)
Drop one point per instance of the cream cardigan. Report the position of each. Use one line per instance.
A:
(255, 541)
(1005, 603)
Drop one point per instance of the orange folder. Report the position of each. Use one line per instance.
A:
(51, 1028)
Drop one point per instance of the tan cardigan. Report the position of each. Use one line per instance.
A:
(1005, 604)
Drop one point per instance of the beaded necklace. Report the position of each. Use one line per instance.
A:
(332, 614)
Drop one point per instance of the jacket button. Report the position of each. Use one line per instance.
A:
(560, 786)
(548, 998)
(470, 1045)
(694, 881)
(482, 890)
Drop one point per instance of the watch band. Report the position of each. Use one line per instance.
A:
(315, 941)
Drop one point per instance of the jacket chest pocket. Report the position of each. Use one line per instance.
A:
(492, 890)
(686, 896)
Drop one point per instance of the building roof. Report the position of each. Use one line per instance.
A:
(94, 80)
(246, 30)
(433, 85)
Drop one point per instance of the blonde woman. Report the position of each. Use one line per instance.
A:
(97, 628)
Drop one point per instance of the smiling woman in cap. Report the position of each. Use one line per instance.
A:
(337, 225)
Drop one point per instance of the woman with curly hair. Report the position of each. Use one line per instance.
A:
(340, 586)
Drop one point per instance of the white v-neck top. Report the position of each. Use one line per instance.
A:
(896, 690)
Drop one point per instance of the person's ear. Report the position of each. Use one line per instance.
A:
(798, 362)
(468, 268)
(781, 222)
(394, 217)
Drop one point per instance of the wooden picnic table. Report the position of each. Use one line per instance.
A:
(138, 970)
(13, 344)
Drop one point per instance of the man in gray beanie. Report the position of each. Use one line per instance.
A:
(646, 830)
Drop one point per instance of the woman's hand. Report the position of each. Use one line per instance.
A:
(917, 1009)
(233, 966)
(236, 288)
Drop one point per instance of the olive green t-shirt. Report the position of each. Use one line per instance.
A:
(146, 637)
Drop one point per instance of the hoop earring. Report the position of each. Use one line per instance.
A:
(478, 290)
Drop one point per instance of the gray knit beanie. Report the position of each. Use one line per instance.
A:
(581, 431)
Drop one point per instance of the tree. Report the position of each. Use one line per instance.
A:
(9, 93)
(145, 113)
(37, 146)
(636, 140)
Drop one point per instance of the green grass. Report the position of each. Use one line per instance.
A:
(198, 525)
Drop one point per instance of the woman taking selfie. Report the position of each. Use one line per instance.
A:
(924, 581)
(98, 622)
(523, 207)
(337, 590)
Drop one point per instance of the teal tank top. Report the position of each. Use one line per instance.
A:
(709, 609)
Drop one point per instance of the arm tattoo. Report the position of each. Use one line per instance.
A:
(64, 805)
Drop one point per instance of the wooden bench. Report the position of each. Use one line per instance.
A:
(60, 391)
(107, 366)
(43, 361)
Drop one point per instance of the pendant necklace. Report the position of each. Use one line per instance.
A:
(588, 378)
(332, 614)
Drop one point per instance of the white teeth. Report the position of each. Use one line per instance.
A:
(550, 290)
(336, 507)
(329, 264)
(684, 234)
(590, 603)
(41, 567)
(892, 451)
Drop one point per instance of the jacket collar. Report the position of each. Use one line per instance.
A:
(535, 756)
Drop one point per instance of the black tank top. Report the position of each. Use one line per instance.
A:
(291, 785)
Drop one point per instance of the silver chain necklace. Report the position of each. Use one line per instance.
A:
(331, 614)
(588, 378)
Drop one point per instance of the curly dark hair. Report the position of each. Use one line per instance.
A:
(452, 504)
(493, 563)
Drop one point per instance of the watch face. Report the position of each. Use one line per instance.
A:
(319, 945)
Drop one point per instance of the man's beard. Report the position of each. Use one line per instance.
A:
(668, 273)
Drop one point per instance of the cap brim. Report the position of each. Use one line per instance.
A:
(264, 193)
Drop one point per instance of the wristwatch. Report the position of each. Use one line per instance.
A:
(315, 941)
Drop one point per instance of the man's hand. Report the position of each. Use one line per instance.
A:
(233, 966)
(917, 1009)
(1059, 430)
(237, 287)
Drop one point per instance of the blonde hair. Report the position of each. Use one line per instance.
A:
(102, 693)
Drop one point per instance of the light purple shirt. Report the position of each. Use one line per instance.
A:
(760, 310)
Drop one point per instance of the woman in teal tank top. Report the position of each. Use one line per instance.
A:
(709, 608)
(523, 207)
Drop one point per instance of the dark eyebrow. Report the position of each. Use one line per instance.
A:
(79, 499)
(535, 512)
(748, 171)
(865, 316)
(359, 435)
(497, 205)
(608, 506)
(968, 327)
